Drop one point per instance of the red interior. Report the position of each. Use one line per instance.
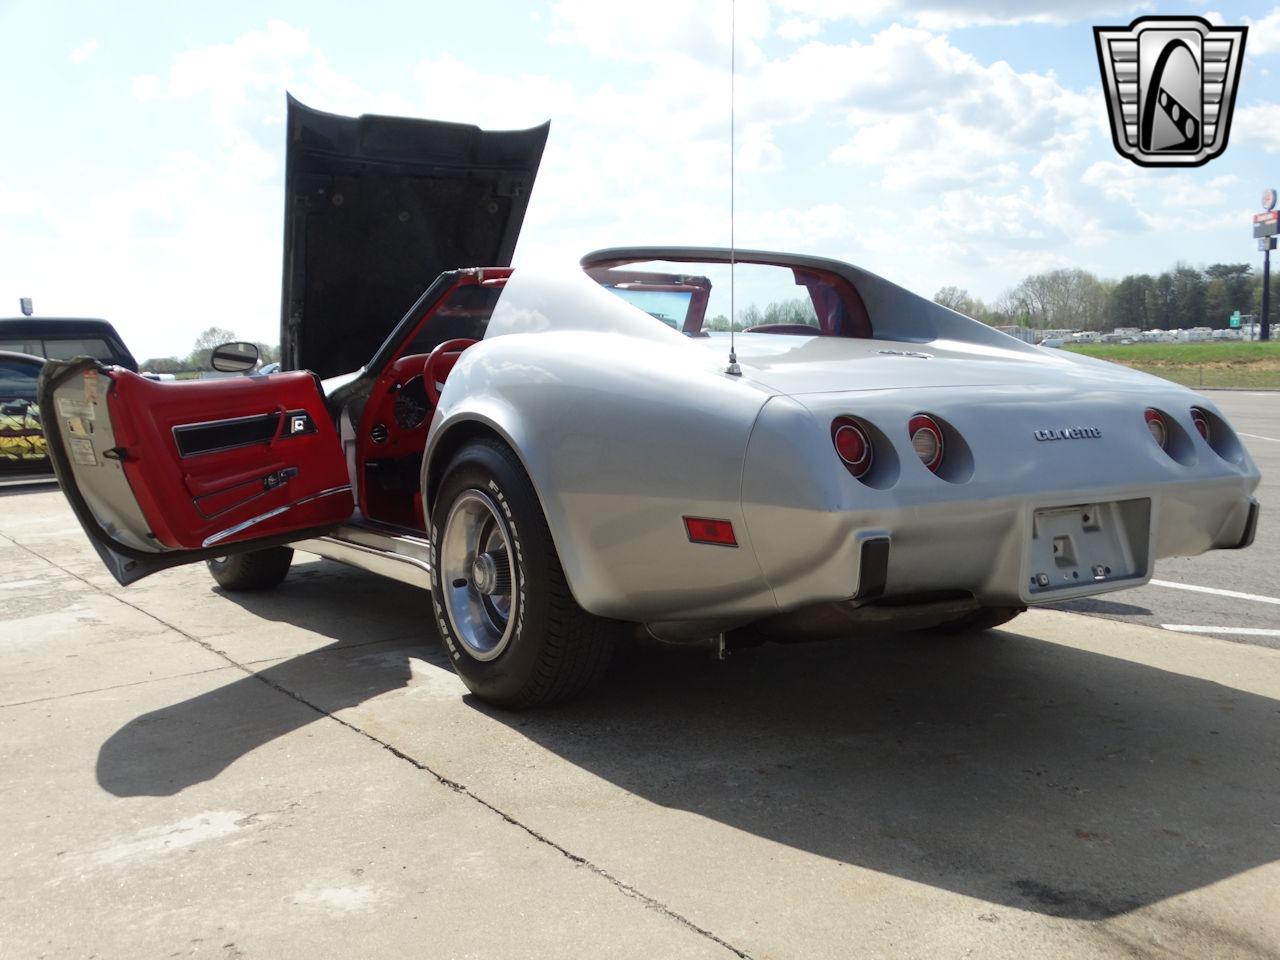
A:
(188, 499)
(390, 470)
(840, 309)
(440, 362)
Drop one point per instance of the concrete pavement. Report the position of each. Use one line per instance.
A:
(298, 773)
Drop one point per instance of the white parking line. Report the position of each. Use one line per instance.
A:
(1234, 594)
(1238, 631)
(1254, 436)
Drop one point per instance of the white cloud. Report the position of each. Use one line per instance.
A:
(1257, 123)
(662, 30)
(84, 51)
(196, 227)
(757, 153)
(448, 89)
(922, 112)
(230, 73)
(924, 116)
(954, 14)
(1264, 34)
(243, 81)
(797, 28)
(795, 227)
(997, 152)
(843, 148)
(966, 13)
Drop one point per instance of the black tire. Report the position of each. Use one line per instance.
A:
(555, 649)
(259, 570)
(984, 618)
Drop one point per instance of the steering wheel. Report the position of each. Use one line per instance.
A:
(439, 362)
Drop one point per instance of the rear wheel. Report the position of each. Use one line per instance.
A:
(502, 605)
(259, 570)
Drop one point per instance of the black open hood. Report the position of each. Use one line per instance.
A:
(375, 209)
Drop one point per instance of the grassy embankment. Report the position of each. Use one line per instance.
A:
(1254, 365)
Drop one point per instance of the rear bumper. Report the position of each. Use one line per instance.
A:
(1004, 553)
(990, 531)
(1250, 527)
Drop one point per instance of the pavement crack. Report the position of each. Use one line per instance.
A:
(114, 686)
(626, 889)
(461, 788)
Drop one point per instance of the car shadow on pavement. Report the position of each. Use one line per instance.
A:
(998, 766)
(167, 750)
(1102, 608)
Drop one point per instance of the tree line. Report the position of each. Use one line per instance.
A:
(198, 358)
(1185, 296)
(795, 310)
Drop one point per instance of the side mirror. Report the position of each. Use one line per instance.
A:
(234, 357)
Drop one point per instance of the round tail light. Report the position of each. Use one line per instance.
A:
(1159, 429)
(1201, 420)
(852, 445)
(926, 440)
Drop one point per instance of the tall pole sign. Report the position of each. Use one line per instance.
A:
(1265, 227)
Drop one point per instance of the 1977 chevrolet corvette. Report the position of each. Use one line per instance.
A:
(558, 457)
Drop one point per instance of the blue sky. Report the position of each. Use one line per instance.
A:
(938, 142)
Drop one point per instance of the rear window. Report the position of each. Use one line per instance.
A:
(669, 306)
(94, 347)
(694, 298)
(17, 379)
(64, 348)
(32, 347)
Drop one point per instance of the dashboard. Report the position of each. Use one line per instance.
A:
(402, 411)
(411, 406)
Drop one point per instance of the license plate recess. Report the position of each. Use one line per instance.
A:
(1087, 546)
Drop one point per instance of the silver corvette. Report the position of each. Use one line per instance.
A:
(562, 457)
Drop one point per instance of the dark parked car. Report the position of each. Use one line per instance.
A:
(57, 338)
(23, 455)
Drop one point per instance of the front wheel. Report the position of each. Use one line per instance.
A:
(502, 605)
(257, 570)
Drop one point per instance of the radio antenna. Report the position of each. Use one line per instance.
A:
(733, 368)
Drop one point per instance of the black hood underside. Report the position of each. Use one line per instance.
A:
(375, 209)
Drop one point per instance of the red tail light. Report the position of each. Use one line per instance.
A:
(705, 530)
(852, 445)
(926, 440)
(1159, 429)
(1201, 420)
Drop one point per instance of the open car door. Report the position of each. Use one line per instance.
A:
(166, 473)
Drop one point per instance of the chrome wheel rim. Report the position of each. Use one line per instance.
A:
(479, 576)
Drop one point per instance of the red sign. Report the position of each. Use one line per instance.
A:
(1269, 217)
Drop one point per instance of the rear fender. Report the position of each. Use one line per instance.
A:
(618, 452)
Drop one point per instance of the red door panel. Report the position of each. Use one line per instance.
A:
(207, 456)
(164, 473)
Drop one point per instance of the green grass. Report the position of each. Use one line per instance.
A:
(1255, 365)
(1202, 376)
(1181, 353)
